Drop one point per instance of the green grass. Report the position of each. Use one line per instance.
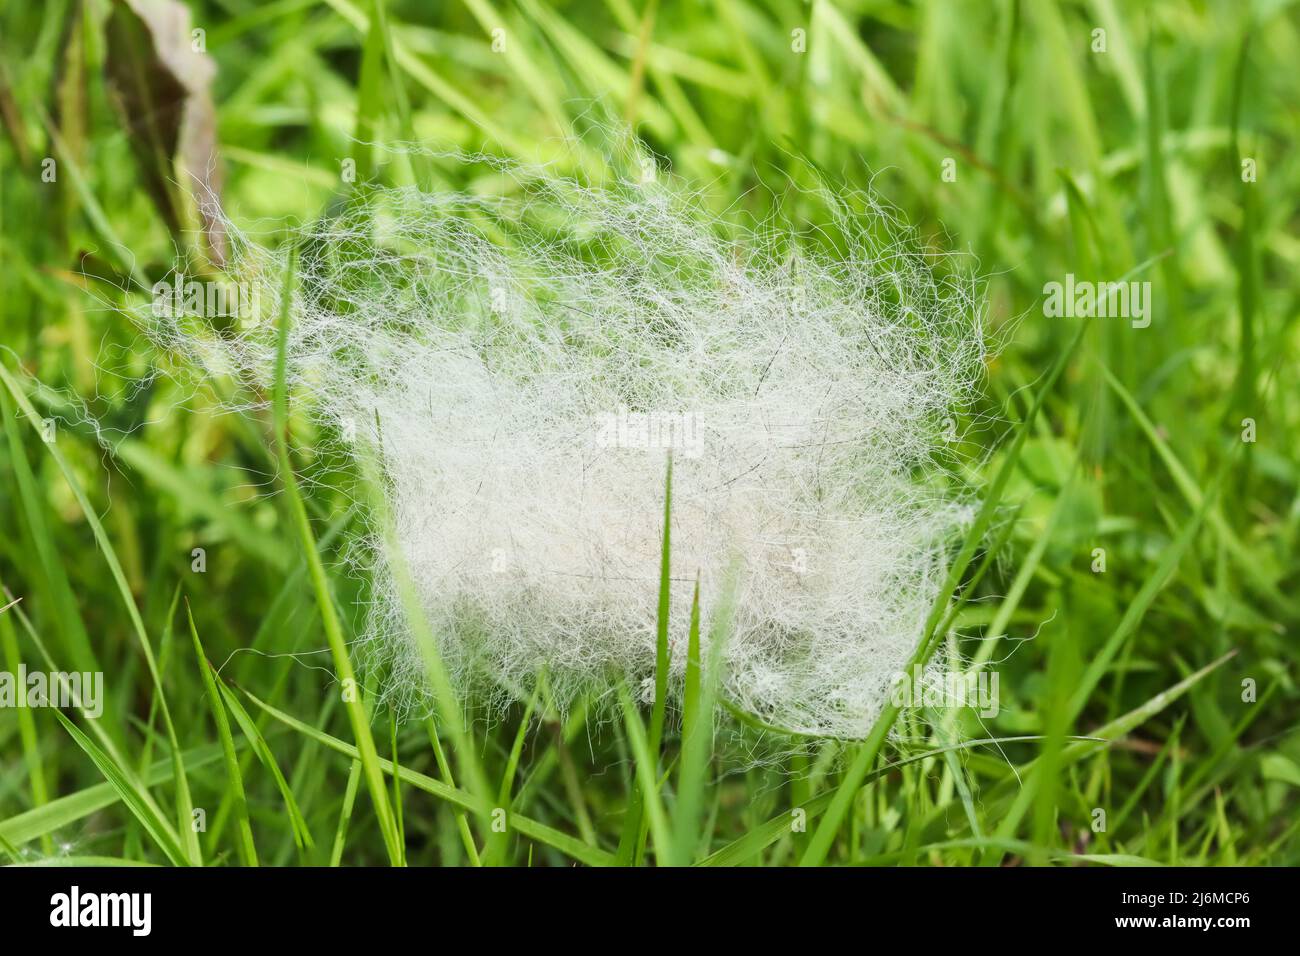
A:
(1160, 691)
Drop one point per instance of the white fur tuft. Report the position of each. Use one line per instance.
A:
(521, 366)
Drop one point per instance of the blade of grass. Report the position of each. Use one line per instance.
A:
(699, 702)
(369, 99)
(345, 813)
(690, 780)
(631, 844)
(397, 783)
(504, 799)
(357, 716)
(445, 698)
(444, 768)
(516, 751)
(661, 624)
(244, 844)
(26, 726)
(645, 775)
(129, 794)
(257, 742)
(65, 811)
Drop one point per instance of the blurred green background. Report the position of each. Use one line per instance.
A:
(1110, 140)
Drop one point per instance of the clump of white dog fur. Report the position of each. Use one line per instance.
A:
(520, 365)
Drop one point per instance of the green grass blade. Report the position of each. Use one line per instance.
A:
(26, 726)
(344, 672)
(445, 698)
(516, 751)
(697, 736)
(444, 768)
(759, 838)
(345, 813)
(661, 623)
(369, 98)
(645, 776)
(699, 704)
(298, 824)
(65, 811)
(397, 783)
(129, 794)
(245, 845)
(631, 845)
